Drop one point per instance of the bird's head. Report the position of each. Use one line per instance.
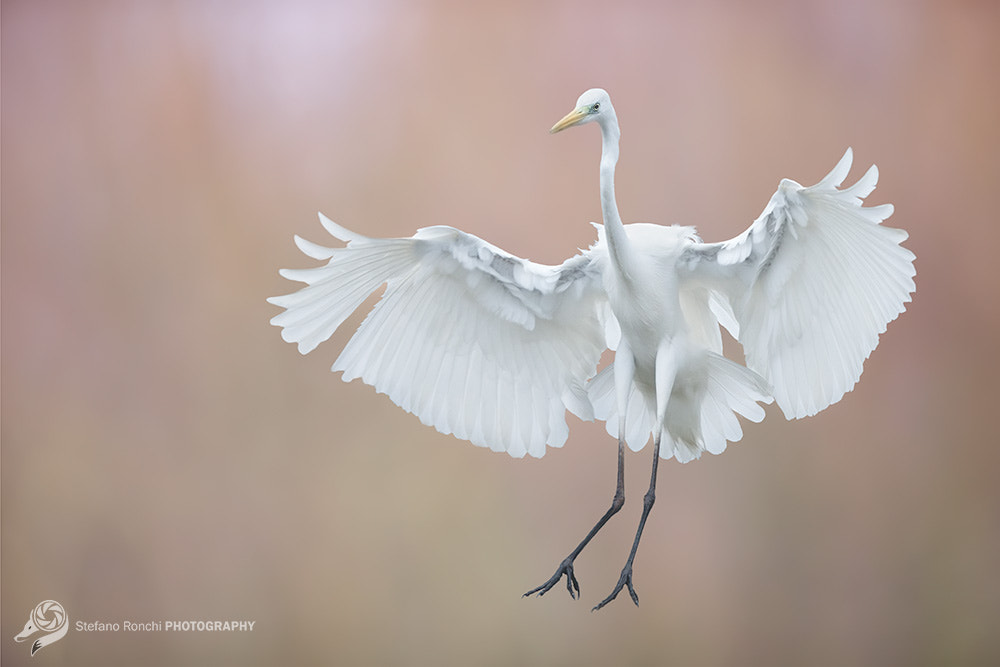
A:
(593, 105)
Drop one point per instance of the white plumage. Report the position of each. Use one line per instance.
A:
(474, 341)
(495, 349)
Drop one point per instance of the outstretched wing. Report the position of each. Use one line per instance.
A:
(812, 283)
(472, 340)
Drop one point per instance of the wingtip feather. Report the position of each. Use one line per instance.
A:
(865, 185)
(839, 172)
(313, 250)
(336, 231)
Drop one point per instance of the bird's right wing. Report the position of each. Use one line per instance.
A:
(472, 340)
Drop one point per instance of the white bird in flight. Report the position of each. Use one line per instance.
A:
(495, 349)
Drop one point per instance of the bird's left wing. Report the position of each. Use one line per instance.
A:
(811, 284)
(471, 339)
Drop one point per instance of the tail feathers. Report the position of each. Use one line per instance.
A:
(730, 389)
(640, 419)
(702, 412)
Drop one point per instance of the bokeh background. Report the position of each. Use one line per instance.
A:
(165, 456)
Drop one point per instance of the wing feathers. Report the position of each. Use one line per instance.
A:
(495, 349)
(313, 250)
(813, 283)
(472, 340)
(838, 173)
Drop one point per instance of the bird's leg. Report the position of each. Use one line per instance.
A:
(647, 504)
(566, 566)
(667, 363)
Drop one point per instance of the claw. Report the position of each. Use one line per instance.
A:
(631, 591)
(572, 585)
(623, 581)
(566, 566)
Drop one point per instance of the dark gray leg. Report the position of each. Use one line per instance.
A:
(647, 504)
(566, 567)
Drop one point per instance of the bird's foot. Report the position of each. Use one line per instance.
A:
(624, 580)
(566, 567)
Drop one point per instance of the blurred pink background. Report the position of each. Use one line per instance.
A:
(167, 457)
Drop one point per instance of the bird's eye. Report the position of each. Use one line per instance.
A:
(596, 107)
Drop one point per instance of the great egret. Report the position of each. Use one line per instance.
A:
(495, 349)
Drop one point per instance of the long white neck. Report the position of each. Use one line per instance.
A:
(618, 243)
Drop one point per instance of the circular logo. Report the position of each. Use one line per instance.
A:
(48, 616)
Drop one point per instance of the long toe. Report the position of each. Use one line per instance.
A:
(614, 594)
(572, 585)
(631, 591)
(606, 600)
(624, 580)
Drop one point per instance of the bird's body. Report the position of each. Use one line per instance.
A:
(495, 349)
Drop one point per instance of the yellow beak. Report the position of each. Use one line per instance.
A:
(569, 120)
